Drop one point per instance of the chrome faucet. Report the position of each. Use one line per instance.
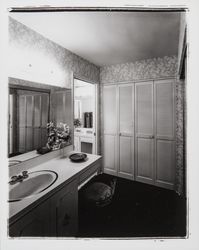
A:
(18, 178)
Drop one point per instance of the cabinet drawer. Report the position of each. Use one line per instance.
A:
(86, 174)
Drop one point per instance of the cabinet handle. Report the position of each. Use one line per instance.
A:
(151, 137)
(66, 220)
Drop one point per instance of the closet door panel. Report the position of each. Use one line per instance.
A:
(110, 165)
(145, 160)
(110, 146)
(126, 156)
(165, 169)
(144, 108)
(144, 132)
(126, 109)
(164, 109)
(126, 131)
(110, 110)
(165, 132)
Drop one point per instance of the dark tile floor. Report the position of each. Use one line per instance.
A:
(137, 210)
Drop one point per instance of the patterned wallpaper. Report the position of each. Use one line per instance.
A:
(140, 70)
(180, 150)
(36, 58)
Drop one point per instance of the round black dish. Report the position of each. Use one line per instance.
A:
(78, 157)
(43, 150)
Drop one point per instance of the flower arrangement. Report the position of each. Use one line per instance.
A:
(58, 136)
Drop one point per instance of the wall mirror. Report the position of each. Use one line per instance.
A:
(31, 107)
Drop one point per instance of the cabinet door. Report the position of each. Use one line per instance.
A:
(126, 131)
(144, 132)
(165, 133)
(110, 129)
(35, 223)
(64, 207)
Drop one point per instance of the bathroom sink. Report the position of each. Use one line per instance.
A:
(36, 183)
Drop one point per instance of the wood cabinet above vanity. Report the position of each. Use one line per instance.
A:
(54, 212)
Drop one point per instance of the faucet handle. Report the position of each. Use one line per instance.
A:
(25, 174)
(14, 178)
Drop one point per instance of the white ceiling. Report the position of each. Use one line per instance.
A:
(106, 38)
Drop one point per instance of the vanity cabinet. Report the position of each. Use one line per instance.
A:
(54, 212)
(35, 223)
(57, 216)
(139, 131)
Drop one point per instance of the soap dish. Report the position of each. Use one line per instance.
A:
(78, 157)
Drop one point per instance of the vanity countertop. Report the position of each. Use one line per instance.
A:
(66, 170)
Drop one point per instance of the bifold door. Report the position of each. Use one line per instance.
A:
(144, 132)
(126, 131)
(165, 132)
(110, 129)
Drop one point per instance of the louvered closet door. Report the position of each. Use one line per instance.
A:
(144, 132)
(110, 129)
(126, 131)
(165, 133)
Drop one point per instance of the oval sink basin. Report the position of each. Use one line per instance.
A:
(36, 183)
